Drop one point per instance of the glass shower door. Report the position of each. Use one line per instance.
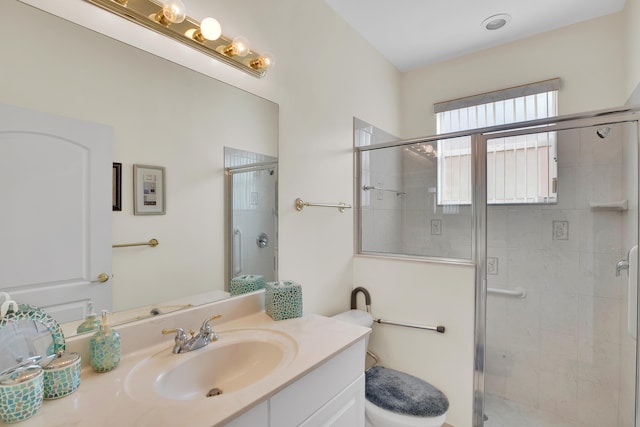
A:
(561, 313)
(254, 221)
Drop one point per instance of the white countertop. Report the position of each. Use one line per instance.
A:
(101, 399)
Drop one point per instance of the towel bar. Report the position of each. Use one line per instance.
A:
(153, 243)
(439, 329)
(373, 187)
(301, 204)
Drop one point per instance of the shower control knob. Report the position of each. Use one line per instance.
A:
(262, 241)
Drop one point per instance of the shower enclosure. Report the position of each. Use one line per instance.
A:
(555, 255)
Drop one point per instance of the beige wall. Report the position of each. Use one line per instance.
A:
(430, 294)
(586, 56)
(632, 47)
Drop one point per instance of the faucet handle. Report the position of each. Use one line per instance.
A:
(205, 324)
(180, 334)
(206, 328)
(181, 338)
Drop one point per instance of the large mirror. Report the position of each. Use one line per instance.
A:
(161, 114)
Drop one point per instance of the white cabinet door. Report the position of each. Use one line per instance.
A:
(55, 215)
(296, 403)
(255, 417)
(344, 410)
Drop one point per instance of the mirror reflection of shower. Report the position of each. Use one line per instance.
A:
(252, 223)
(427, 150)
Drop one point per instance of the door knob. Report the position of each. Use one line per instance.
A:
(102, 277)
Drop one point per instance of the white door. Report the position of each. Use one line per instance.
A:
(55, 211)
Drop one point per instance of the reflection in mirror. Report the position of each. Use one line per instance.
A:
(26, 333)
(184, 131)
(252, 231)
(22, 339)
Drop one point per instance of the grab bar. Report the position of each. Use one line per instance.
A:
(621, 205)
(439, 329)
(237, 248)
(153, 243)
(373, 187)
(301, 204)
(367, 301)
(516, 293)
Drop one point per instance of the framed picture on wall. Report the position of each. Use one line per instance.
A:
(116, 196)
(149, 196)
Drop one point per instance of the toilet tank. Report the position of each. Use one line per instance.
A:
(358, 317)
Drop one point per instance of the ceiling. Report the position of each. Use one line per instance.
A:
(414, 33)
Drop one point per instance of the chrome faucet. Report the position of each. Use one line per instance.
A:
(204, 337)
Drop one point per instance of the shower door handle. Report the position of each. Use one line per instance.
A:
(237, 251)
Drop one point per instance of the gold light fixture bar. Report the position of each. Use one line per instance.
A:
(142, 12)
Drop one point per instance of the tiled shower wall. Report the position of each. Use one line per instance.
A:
(560, 348)
(429, 229)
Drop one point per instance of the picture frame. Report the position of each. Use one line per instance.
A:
(149, 195)
(116, 195)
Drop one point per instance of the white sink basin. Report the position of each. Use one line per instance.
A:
(239, 359)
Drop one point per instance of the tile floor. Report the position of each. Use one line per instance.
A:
(505, 413)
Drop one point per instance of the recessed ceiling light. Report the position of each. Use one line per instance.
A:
(496, 22)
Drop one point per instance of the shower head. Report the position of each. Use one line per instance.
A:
(603, 132)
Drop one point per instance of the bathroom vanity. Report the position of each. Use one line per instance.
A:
(306, 371)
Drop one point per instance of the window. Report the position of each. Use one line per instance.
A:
(520, 169)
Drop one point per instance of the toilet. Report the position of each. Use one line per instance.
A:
(394, 398)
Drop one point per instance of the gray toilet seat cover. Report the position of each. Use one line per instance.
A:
(403, 394)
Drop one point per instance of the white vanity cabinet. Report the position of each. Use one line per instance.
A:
(331, 395)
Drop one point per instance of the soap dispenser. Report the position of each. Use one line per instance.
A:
(91, 322)
(105, 347)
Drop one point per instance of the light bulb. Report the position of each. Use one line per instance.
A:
(266, 60)
(173, 12)
(239, 47)
(210, 29)
(428, 149)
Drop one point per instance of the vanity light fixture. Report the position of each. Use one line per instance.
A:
(171, 20)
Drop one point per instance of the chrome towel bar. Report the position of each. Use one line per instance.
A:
(373, 187)
(439, 329)
(301, 204)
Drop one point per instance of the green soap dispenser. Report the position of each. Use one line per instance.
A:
(91, 322)
(105, 347)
